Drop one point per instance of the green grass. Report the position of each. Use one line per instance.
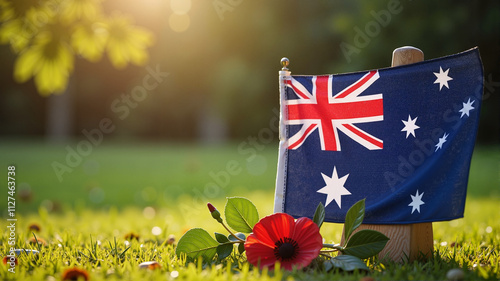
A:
(123, 188)
(72, 236)
(149, 174)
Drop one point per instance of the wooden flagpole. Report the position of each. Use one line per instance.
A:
(407, 242)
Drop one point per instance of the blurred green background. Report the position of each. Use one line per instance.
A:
(162, 138)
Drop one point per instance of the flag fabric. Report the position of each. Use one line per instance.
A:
(401, 138)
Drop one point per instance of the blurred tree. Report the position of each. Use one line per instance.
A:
(46, 35)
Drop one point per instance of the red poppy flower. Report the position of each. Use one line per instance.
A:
(279, 237)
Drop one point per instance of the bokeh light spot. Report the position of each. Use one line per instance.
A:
(47, 204)
(149, 194)
(156, 230)
(179, 23)
(149, 213)
(180, 6)
(96, 195)
(489, 229)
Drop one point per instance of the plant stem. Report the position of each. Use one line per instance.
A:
(333, 246)
(325, 255)
(230, 232)
(329, 251)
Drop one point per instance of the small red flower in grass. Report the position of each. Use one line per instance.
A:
(75, 274)
(152, 265)
(131, 236)
(34, 227)
(9, 260)
(279, 237)
(171, 239)
(33, 241)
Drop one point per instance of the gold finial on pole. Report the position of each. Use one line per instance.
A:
(285, 62)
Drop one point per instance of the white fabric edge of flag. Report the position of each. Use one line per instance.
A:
(279, 195)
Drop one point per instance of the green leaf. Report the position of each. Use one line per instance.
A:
(224, 250)
(239, 235)
(319, 215)
(197, 242)
(365, 243)
(221, 238)
(354, 218)
(328, 265)
(346, 263)
(241, 248)
(241, 214)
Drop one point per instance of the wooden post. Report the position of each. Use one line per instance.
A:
(407, 241)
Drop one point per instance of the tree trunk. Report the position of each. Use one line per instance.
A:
(59, 123)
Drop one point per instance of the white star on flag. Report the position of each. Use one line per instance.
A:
(442, 140)
(442, 78)
(467, 107)
(410, 126)
(416, 201)
(334, 188)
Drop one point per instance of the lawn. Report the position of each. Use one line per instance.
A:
(156, 190)
(142, 174)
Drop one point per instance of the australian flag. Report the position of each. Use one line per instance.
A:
(401, 138)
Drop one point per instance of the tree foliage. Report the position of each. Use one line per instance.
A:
(46, 35)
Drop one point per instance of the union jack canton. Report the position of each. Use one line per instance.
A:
(329, 113)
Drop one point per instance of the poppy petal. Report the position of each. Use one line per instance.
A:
(306, 233)
(259, 254)
(271, 228)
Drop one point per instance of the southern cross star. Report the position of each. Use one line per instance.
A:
(442, 140)
(410, 126)
(334, 188)
(442, 78)
(416, 201)
(467, 107)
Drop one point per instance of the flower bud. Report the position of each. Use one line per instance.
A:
(211, 207)
(214, 212)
